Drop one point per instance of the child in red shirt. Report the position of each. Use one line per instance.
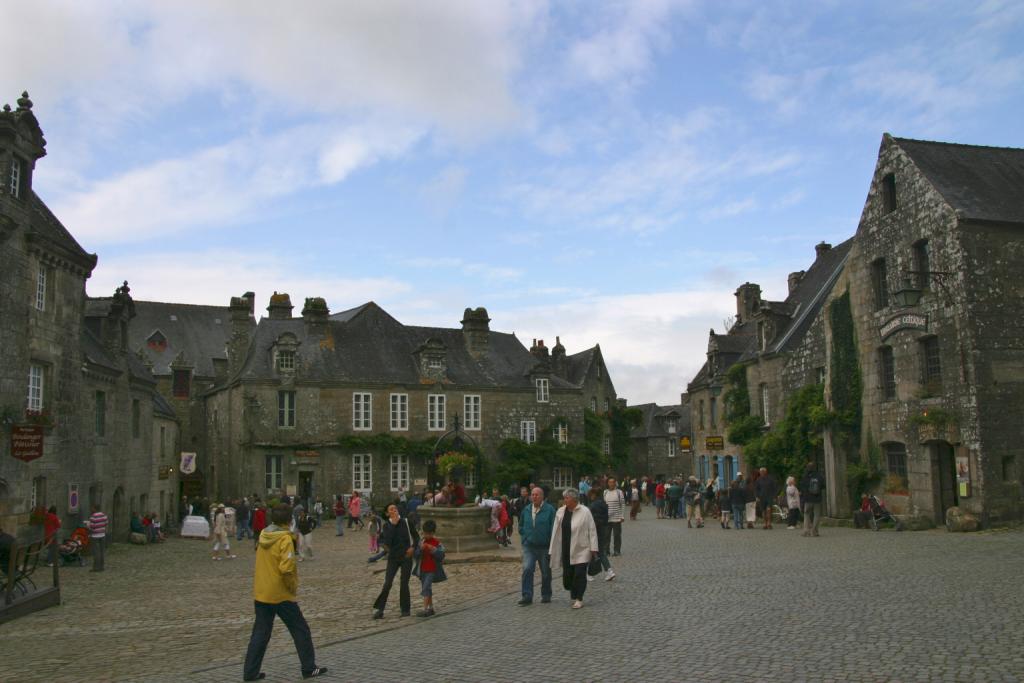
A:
(430, 570)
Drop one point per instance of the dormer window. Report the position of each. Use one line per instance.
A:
(16, 177)
(432, 357)
(283, 351)
(543, 394)
(671, 424)
(435, 364)
(157, 342)
(285, 359)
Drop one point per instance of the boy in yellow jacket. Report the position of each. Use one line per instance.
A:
(274, 586)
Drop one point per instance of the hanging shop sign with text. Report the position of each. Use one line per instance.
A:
(907, 321)
(27, 442)
(714, 443)
(684, 443)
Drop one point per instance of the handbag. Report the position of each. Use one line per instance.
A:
(594, 566)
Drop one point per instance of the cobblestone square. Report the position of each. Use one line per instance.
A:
(732, 605)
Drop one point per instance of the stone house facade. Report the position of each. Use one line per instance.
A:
(934, 279)
(64, 369)
(661, 445)
(300, 385)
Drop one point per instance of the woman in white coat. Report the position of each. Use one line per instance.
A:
(574, 544)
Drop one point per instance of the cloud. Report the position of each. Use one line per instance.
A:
(443, 191)
(470, 270)
(730, 210)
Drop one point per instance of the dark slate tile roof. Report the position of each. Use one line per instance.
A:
(45, 224)
(201, 333)
(366, 344)
(652, 427)
(94, 352)
(161, 407)
(980, 183)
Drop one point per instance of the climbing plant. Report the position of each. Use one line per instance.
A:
(623, 421)
(796, 439)
(741, 426)
(846, 382)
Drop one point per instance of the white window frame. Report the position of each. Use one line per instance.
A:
(607, 406)
(399, 412)
(36, 384)
(606, 444)
(471, 410)
(543, 389)
(470, 477)
(765, 405)
(560, 433)
(593, 404)
(286, 409)
(15, 178)
(672, 448)
(561, 478)
(41, 289)
(274, 474)
(671, 424)
(362, 472)
(528, 431)
(399, 471)
(436, 409)
(285, 359)
(362, 411)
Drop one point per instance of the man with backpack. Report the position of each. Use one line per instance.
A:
(812, 486)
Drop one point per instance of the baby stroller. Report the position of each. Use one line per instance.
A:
(71, 550)
(880, 514)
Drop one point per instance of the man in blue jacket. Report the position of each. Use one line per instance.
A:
(535, 525)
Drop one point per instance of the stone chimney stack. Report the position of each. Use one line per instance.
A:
(748, 299)
(243, 321)
(315, 314)
(476, 331)
(559, 366)
(115, 325)
(280, 307)
(539, 351)
(795, 278)
(820, 248)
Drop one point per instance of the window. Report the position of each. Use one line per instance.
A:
(560, 433)
(606, 444)
(163, 442)
(399, 412)
(896, 462)
(887, 373)
(362, 472)
(671, 425)
(889, 193)
(35, 388)
(471, 410)
(922, 263)
(286, 409)
(542, 389)
(820, 375)
(700, 413)
(362, 411)
(182, 383)
(41, 289)
(593, 404)
(671, 451)
(931, 366)
(435, 412)
(38, 492)
(762, 341)
(275, 472)
(1009, 468)
(528, 431)
(399, 472)
(765, 415)
(470, 477)
(100, 413)
(285, 359)
(435, 363)
(598, 365)
(879, 283)
(561, 477)
(136, 418)
(14, 180)
(714, 412)
(607, 406)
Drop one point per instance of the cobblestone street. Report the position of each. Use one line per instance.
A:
(732, 605)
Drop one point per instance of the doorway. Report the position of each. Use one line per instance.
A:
(944, 479)
(306, 489)
(117, 515)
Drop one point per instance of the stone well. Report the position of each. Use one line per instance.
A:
(462, 529)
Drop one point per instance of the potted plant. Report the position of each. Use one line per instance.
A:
(454, 463)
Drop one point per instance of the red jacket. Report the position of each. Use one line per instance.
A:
(259, 520)
(50, 525)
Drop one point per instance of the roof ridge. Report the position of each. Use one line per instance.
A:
(953, 144)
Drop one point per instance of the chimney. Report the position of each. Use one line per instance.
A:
(242, 323)
(795, 278)
(559, 366)
(476, 331)
(115, 325)
(315, 313)
(280, 307)
(748, 299)
(539, 351)
(820, 248)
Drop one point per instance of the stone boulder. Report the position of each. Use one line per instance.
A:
(961, 520)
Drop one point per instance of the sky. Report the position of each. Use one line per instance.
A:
(604, 172)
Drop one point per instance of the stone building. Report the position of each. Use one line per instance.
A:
(68, 382)
(306, 397)
(934, 278)
(661, 445)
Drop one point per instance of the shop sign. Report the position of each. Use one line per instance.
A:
(27, 442)
(684, 443)
(714, 443)
(188, 463)
(963, 476)
(907, 321)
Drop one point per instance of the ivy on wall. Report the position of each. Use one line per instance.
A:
(741, 426)
(845, 377)
(623, 421)
(796, 439)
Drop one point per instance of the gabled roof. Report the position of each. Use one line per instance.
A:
(94, 353)
(366, 344)
(201, 333)
(651, 426)
(46, 226)
(980, 183)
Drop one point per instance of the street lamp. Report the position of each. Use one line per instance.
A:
(908, 295)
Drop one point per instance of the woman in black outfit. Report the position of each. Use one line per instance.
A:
(400, 539)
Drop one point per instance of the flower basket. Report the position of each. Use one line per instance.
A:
(453, 461)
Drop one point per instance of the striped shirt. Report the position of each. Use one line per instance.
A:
(97, 525)
(616, 502)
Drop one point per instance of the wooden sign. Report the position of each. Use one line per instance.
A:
(27, 442)
(714, 443)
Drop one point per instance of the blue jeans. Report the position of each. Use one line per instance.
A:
(243, 530)
(532, 556)
(292, 617)
(339, 525)
(739, 516)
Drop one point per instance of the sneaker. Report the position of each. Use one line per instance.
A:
(589, 578)
(524, 602)
(577, 605)
(405, 614)
(546, 600)
(258, 677)
(609, 575)
(318, 671)
(426, 613)
(232, 557)
(378, 614)
(790, 527)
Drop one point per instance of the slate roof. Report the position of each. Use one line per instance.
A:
(200, 332)
(650, 426)
(161, 407)
(94, 352)
(980, 183)
(48, 226)
(366, 344)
